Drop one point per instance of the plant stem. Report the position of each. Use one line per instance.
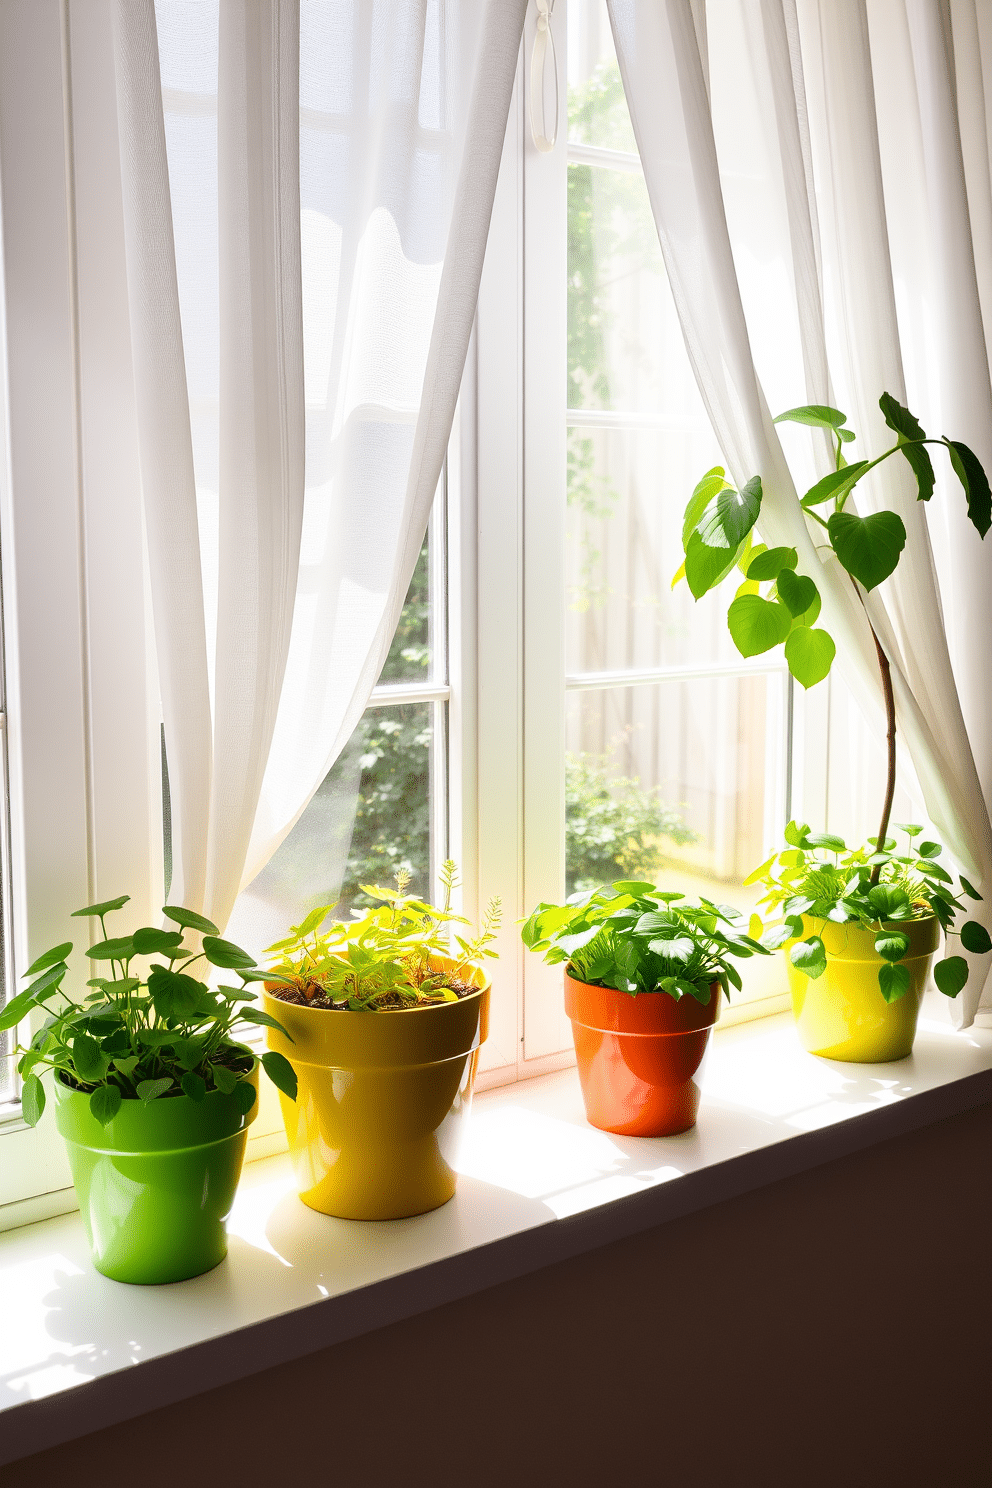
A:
(890, 737)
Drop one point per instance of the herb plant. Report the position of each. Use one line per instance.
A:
(636, 938)
(717, 537)
(386, 957)
(820, 877)
(143, 1034)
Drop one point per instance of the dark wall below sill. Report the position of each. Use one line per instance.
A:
(831, 1329)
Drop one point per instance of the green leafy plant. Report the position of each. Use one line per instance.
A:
(776, 605)
(143, 1034)
(386, 957)
(613, 826)
(636, 938)
(820, 877)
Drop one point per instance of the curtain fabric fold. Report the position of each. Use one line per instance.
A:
(356, 181)
(842, 326)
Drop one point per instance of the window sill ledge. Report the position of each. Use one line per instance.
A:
(79, 1352)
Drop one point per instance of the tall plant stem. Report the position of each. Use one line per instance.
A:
(890, 739)
(890, 735)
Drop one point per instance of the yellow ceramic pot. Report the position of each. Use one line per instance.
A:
(842, 1014)
(382, 1102)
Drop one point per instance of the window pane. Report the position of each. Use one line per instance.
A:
(682, 782)
(597, 108)
(623, 336)
(410, 657)
(627, 491)
(371, 816)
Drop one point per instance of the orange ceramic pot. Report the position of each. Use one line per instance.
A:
(639, 1057)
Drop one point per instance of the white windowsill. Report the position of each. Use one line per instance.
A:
(78, 1352)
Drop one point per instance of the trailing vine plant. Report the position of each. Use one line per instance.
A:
(776, 605)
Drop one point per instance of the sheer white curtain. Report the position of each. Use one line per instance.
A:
(819, 177)
(294, 394)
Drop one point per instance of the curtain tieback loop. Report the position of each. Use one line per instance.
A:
(544, 140)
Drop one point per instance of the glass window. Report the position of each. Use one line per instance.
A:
(383, 804)
(676, 749)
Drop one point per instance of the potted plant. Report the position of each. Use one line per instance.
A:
(382, 1021)
(869, 922)
(643, 977)
(153, 1092)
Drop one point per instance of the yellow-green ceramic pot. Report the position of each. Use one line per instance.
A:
(382, 1102)
(156, 1184)
(842, 1014)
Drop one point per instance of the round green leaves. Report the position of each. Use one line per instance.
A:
(951, 975)
(757, 624)
(868, 547)
(810, 654)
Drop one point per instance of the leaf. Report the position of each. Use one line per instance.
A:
(121, 949)
(189, 919)
(796, 591)
(102, 909)
(892, 944)
(126, 1066)
(951, 975)
(809, 956)
(816, 415)
(796, 833)
(313, 920)
(910, 828)
(16, 1009)
(886, 899)
(730, 515)
(922, 467)
(975, 938)
(969, 890)
(757, 624)
(255, 1015)
(50, 958)
(971, 473)
(810, 654)
(706, 567)
(105, 1102)
(89, 1061)
(148, 940)
(32, 1100)
(149, 1090)
(244, 1096)
(868, 547)
(834, 485)
(193, 1086)
(893, 981)
(226, 954)
(677, 577)
(174, 993)
(224, 1079)
(280, 1072)
(899, 419)
(929, 849)
(713, 481)
(770, 563)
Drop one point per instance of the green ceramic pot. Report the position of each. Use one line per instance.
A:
(155, 1186)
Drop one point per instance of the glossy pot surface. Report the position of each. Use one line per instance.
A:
(640, 1057)
(156, 1185)
(382, 1102)
(842, 1014)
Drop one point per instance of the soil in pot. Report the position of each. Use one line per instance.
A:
(639, 1058)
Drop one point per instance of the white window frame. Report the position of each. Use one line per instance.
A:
(499, 537)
